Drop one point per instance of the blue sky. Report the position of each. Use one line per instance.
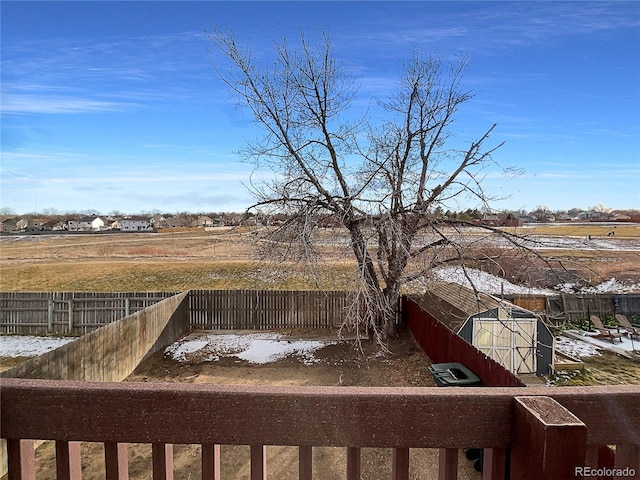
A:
(115, 106)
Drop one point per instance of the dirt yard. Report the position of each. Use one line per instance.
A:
(337, 364)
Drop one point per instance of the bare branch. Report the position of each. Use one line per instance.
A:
(382, 181)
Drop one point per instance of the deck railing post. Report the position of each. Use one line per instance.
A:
(162, 460)
(21, 459)
(400, 468)
(305, 460)
(448, 464)
(494, 463)
(354, 463)
(627, 459)
(210, 462)
(258, 462)
(68, 465)
(116, 461)
(541, 431)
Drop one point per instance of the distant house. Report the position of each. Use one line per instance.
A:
(113, 223)
(31, 225)
(176, 222)
(203, 221)
(22, 224)
(159, 221)
(58, 226)
(42, 225)
(136, 224)
(512, 221)
(86, 224)
(595, 216)
(9, 225)
(491, 220)
(619, 217)
(527, 219)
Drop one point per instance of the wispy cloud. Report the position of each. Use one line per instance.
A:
(69, 76)
(494, 25)
(27, 103)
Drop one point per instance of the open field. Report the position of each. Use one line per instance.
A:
(620, 230)
(226, 258)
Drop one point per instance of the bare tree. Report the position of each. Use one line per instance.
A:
(386, 182)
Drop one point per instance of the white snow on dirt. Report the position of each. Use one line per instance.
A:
(494, 285)
(258, 348)
(576, 348)
(13, 346)
(609, 286)
(486, 282)
(550, 242)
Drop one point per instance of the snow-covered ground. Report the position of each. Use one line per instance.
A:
(13, 346)
(549, 242)
(494, 285)
(257, 348)
(486, 282)
(576, 348)
(609, 286)
(621, 345)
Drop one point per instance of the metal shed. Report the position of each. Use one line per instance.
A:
(512, 336)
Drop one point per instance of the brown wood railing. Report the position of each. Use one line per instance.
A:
(547, 432)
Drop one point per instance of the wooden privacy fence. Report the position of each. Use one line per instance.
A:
(266, 309)
(70, 313)
(579, 307)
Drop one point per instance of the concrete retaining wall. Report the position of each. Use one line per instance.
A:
(111, 353)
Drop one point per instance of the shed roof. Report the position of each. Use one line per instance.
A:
(452, 303)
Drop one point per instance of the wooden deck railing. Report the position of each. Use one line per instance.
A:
(548, 432)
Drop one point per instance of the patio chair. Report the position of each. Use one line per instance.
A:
(603, 332)
(626, 324)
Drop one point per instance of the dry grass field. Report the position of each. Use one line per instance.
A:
(225, 258)
(152, 262)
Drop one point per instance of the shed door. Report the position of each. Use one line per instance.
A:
(511, 343)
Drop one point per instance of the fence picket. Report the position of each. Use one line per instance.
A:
(79, 313)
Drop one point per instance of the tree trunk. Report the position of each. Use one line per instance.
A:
(392, 314)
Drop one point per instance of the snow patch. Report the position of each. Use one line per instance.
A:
(258, 348)
(576, 348)
(486, 282)
(14, 346)
(179, 350)
(494, 285)
(609, 286)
